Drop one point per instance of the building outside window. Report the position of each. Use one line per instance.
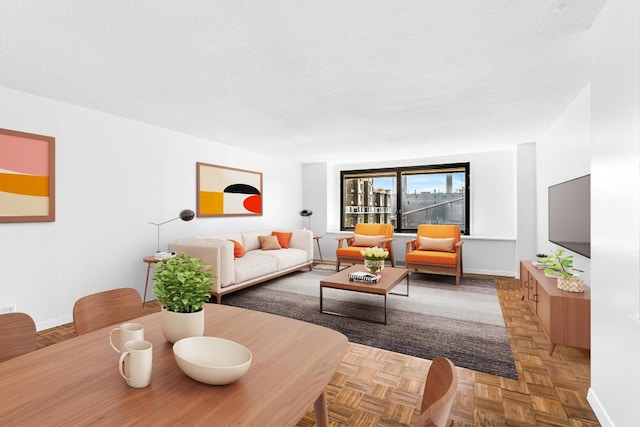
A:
(406, 197)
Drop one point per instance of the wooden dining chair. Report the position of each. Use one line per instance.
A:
(17, 335)
(439, 391)
(106, 308)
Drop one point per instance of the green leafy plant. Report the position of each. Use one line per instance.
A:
(182, 284)
(559, 264)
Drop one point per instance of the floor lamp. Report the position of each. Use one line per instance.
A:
(185, 215)
(306, 213)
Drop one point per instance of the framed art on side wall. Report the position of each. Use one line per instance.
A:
(224, 191)
(27, 177)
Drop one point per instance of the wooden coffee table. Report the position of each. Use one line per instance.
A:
(389, 278)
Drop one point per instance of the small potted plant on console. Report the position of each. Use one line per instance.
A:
(182, 286)
(541, 255)
(538, 263)
(561, 266)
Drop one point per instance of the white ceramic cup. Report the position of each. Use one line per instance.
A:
(128, 332)
(136, 362)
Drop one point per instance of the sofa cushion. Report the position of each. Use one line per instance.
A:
(283, 238)
(431, 244)
(226, 236)
(432, 257)
(349, 252)
(254, 264)
(286, 258)
(269, 243)
(250, 239)
(367, 241)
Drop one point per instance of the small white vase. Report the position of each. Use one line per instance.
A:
(374, 266)
(176, 326)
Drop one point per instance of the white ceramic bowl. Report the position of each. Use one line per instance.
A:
(212, 360)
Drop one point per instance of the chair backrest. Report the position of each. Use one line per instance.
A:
(439, 392)
(106, 308)
(374, 229)
(439, 231)
(17, 335)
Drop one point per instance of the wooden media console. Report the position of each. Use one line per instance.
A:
(564, 316)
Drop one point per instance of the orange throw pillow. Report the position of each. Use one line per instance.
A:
(283, 238)
(238, 249)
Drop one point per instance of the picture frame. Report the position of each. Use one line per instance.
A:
(226, 191)
(27, 177)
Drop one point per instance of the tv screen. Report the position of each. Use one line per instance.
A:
(570, 215)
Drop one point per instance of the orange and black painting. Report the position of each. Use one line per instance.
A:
(224, 191)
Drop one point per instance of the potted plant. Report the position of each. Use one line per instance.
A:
(561, 266)
(182, 286)
(540, 256)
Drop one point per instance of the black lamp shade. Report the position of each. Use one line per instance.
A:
(306, 212)
(187, 215)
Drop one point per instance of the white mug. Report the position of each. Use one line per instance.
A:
(128, 332)
(136, 362)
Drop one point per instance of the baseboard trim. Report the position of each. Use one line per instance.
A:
(489, 272)
(52, 323)
(598, 409)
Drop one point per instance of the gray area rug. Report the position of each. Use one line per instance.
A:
(463, 323)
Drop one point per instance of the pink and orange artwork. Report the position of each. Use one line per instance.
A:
(27, 177)
(224, 191)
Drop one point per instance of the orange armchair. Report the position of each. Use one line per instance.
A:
(364, 236)
(437, 249)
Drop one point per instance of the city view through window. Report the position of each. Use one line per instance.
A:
(425, 196)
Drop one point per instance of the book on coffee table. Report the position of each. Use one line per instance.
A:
(362, 276)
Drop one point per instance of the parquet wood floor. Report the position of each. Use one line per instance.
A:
(374, 387)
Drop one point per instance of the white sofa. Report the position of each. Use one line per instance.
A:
(255, 266)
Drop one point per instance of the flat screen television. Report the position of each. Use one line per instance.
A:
(570, 215)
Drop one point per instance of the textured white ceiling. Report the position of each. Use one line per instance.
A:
(310, 80)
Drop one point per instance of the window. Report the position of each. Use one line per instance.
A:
(407, 197)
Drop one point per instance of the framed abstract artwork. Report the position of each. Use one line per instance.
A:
(27, 177)
(224, 191)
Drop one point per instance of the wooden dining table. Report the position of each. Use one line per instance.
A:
(76, 382)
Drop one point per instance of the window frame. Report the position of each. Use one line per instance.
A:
(398, 173)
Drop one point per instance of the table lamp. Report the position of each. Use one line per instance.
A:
(185, 215)
(306, 213)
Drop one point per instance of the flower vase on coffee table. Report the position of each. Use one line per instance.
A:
(374, 259)
(374, 266)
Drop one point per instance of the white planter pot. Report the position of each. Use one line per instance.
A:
(176, 326)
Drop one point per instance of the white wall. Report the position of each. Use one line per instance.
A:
(526, 213)
(491, 247)
(113, 176)
(615, 219)
(564, 153)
